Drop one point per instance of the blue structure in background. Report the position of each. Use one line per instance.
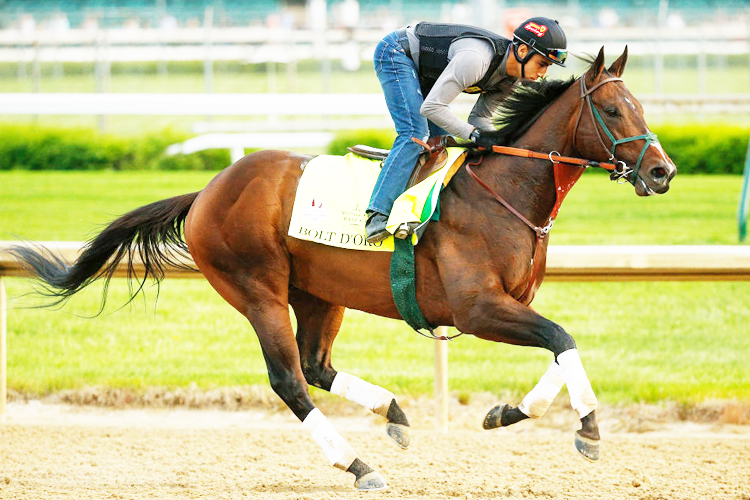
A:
(744, 198)
(111, 14)
(245, 12)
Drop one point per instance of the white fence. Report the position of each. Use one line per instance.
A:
(349, 46)
(272, 105)
(263, 44)
(275, 105)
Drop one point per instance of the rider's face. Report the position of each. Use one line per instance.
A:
(535, 68)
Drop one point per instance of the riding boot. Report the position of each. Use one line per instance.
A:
(375, 227)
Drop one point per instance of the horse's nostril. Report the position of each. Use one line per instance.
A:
(658, 173)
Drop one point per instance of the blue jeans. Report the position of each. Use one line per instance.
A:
(398, 77)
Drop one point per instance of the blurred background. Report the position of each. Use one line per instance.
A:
(196, 84)
(695, 48)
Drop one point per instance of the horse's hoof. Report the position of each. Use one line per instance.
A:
(399, 433)
(370, 482)
(494, 416)
(588, 448)
(503, 416)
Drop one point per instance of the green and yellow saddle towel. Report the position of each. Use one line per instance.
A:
(330, 205)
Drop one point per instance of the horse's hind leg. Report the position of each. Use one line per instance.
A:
(287, 380)
(262, 298)
(318, 323)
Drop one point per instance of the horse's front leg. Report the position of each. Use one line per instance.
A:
(533, 405)
(501, 318)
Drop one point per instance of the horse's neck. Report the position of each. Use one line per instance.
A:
(553, 131)
(533, 181)
(526, 184)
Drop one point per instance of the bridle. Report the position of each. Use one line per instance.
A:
(623, 171)
(566, 178)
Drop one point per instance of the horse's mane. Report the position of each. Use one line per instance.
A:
(520, 109)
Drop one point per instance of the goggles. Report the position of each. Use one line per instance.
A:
(557, 55)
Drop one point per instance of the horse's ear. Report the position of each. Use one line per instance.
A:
(592, 75)
(618, 67)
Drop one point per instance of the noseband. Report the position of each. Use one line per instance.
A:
(623, 171)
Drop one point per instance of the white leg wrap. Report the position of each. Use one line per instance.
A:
(582, 397)
(536, 402)
(363, 393)
(335, 447)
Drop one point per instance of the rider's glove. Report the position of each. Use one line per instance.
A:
(484, 139)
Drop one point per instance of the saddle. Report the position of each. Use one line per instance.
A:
(430, 160)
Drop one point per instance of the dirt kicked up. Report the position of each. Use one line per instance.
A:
(59, 451)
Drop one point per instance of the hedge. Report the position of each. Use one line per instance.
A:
(33, 147)
(695, 148)
(370, 137)
(705, 149)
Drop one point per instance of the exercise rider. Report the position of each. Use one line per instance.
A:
(424, 67)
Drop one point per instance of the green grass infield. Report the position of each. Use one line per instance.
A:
(640, 342)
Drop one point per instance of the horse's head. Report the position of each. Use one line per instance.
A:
(611, 127)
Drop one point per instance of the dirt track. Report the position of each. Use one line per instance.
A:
(56, 451)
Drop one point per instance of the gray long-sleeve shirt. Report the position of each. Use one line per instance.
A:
(468, 61)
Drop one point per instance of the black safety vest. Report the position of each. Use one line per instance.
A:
(434, 42)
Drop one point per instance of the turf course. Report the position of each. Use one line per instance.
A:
(686, 342)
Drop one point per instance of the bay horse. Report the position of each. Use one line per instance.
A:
(473, 266)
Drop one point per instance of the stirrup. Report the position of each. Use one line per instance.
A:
(405, 229)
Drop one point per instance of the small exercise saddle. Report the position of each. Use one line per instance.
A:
(430, 160)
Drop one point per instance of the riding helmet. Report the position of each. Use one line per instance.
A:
(544, 36)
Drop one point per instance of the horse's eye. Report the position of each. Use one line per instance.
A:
(612, 111)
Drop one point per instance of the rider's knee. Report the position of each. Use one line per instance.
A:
(420, 132)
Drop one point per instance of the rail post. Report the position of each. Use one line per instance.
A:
(744, 199)
(441, 380)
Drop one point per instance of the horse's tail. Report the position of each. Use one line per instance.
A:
(153, 233)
